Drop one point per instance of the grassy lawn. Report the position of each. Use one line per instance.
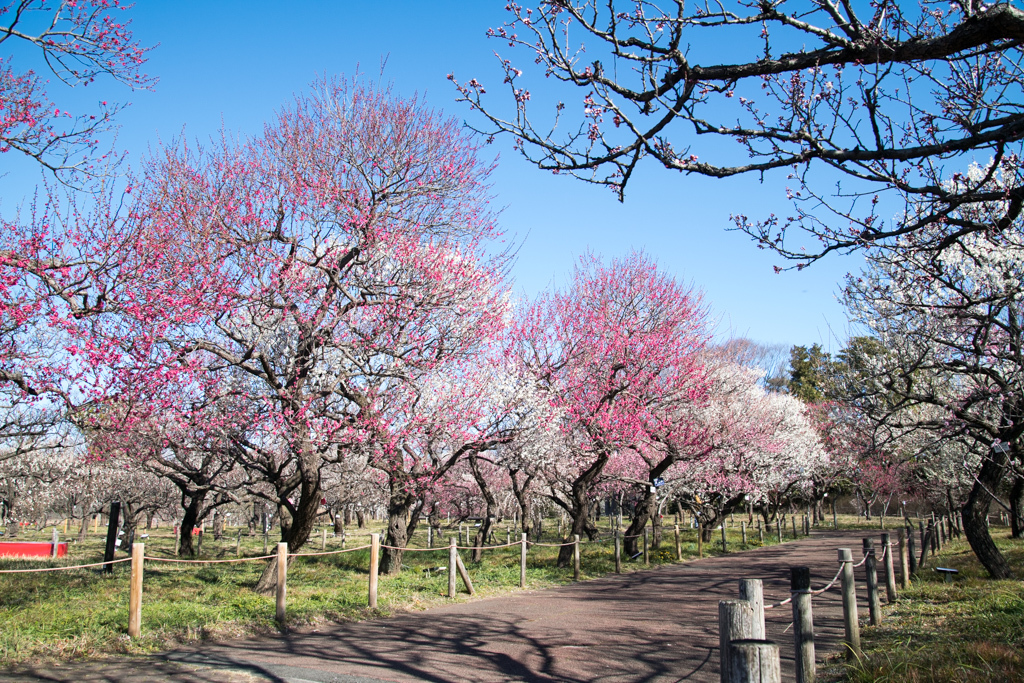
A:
(82, 613)
(970, 630)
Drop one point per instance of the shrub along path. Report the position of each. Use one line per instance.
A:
(655, 625)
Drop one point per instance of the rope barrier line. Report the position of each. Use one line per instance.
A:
(231, 561)
(327, 552)
(58, 569)
(551, 545)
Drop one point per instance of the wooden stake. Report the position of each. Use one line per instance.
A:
(463, 573)
(282, 581)
(522, 563)
(576, 556)
(135, 592)
(374, 564)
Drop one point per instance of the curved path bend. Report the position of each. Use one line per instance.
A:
(654, 625)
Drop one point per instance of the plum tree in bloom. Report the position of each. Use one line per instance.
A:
(321, 270)
(619, 339)
(952, 328)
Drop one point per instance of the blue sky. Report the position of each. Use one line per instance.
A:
(233, 63)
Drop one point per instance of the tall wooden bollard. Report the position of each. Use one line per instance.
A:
(887, 569)
(871, 569)
(752, 590)
(725, 548)
(282, 581)
(743, 532)
(135, 591)
(901, 538)
(755, 661)
(700, 541)
(54, 543)
(647, 556)
(912, 551)
(522, 562)
(735, 622)
(453, 553)
(803, 623)
(374, 567)
(679, 545)
(618, 552)
(849, 588)
(575, 557)
(430, 535)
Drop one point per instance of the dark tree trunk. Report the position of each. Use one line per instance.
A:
(348, 515)
(401, 520)
(339, 527)
(491, 506)
(191, 505)
(360, 519)
(579, 507)
(643, 511)
(218, 526)
(521, 490)
(1017, 507)
(975, 514)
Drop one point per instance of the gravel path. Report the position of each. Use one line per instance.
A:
(655, 625)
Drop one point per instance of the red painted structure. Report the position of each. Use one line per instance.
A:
(31, 549)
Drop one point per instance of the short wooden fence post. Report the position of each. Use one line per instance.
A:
(755, 661)
(282, 581)
(793, 520)
(374, 565)
(752, 590)
(760, 533)
(647, 553)
(453, 553)
(911, 551)
(575, 557)
(618, 552)
(135, 591)
(803, 623)
(887, 569)
(725, 548)
(679, 547)
(743, 532)
(850, 623)
(522, 562)
(735, 622)
(901, 539)
(778, 527)
(871, 569)
(55, 542)
(323, 539)
(700, 541)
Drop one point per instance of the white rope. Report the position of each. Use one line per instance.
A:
(58, 569)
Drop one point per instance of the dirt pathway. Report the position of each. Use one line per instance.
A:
(656, 625)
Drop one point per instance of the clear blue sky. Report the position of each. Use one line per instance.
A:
(235, 62)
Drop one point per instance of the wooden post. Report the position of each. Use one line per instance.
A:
(700, 541)
(323, 539)
(618, 552)
(344, 535)
(871, 569)
(912, 551)
(835, 519)
(807, 525)
(463, 573)
(575, 557)
(238, 544)
(743, 532)
(850, 623)
(679, 547)
(760, 533)
(55, 541)
(282, 580)
(135, 591)
(177, 539)
(266, 534)
(778, 527)
(735, 622)
(452, 554)
(647, 559)
(803, 623)
(755, 661)
(901, 538)
(96, 524)
(725, 547)
(430, 536)
(65, 526)
(522, 563)
(752, 591)
(793, 519)
(374, 565)
(887, 569)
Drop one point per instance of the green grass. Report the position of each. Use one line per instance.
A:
(83, 613)
(967, 631)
